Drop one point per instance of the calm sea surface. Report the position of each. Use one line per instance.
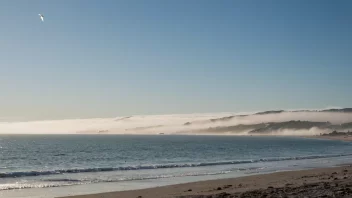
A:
(43, 165)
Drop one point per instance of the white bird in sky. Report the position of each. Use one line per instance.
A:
(41, 17)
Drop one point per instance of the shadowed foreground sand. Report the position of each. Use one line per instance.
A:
(326, 182)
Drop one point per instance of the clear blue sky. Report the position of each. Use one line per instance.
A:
(112, 58)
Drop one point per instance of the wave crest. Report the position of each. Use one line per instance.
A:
(160, 166)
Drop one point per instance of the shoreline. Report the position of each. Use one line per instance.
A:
(341, 138)
(335, 181)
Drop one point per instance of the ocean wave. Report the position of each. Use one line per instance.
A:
(160, 166)
(60, 154)
(60, 182)
(63, 180)
(25, 186)
(133, 178)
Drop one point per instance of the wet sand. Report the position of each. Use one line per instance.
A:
(324, 182)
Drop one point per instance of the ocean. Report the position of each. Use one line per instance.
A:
(59, 165)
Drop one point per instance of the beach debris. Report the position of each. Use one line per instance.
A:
(223, 195)
(227, 186)
(219, 188)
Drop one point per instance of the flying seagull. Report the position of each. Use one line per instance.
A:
(41, 17)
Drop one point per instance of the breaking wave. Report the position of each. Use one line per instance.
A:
(161, 166)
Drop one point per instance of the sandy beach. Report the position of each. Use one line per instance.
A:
(326, 182)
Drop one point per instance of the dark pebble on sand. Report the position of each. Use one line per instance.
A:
(223, 195)
(219, 188)
(334, 173)
(189, 190)
(227, 186)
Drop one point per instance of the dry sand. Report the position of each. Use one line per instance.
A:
(326, 182)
